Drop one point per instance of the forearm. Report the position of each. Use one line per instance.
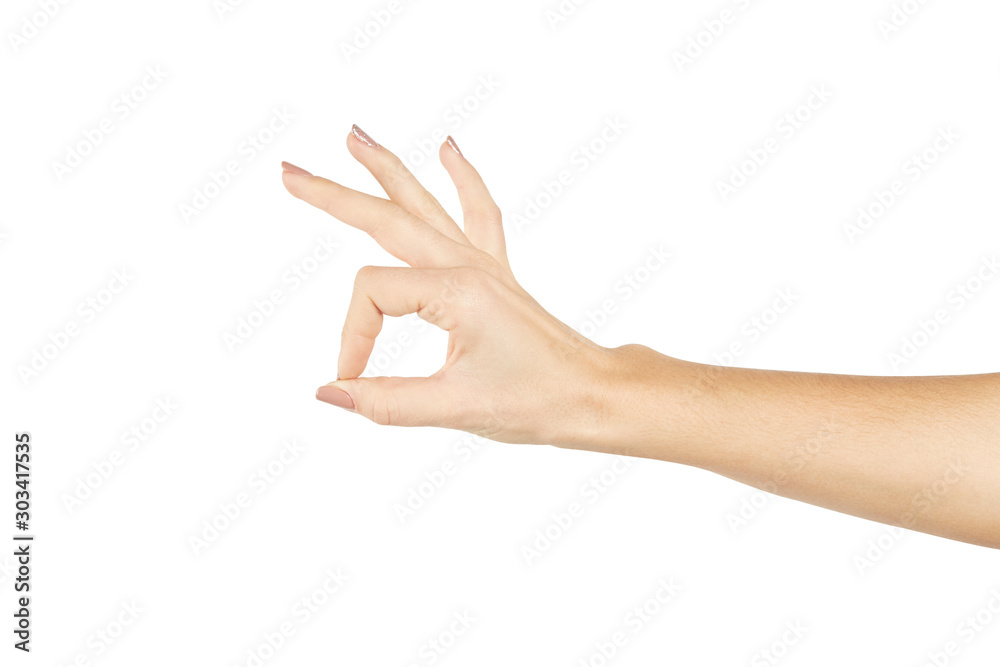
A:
(918, 452)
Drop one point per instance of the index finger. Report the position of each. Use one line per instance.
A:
(392, 291)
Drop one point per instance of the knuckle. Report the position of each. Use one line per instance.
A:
(426, 205)
(492, 214)
(383, 219)
(376, 227)
(483, 263)
(396, 174)
(385, 409)
(470, 284)
(460, 288)
(433, 312)
(489, 214)
(331, 204)
(469, 278)
(364, 276)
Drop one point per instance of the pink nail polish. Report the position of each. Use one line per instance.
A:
(335, 396)
(451, 142)
(288, 166)
(363, 137)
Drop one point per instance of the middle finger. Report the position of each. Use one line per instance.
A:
(401, 185)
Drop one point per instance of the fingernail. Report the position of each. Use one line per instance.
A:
(335, 396)
(363, 137)
(451, 142)
(288, 166)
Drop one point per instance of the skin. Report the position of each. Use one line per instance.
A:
(922, 453)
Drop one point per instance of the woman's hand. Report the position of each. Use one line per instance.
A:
(920, 453)
(513, 372)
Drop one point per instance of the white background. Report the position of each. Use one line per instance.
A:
(335, 505)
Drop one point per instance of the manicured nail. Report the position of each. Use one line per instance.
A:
(363, 137)
(288, 166)
(451, 142)
(335, 396)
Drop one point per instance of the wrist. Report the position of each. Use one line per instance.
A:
(643, 403)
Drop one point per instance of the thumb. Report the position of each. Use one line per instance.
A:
(395, 401)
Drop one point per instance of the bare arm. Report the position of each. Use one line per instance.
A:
(923, 453)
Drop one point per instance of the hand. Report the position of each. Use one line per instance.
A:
(915, 452)
(513, 372)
